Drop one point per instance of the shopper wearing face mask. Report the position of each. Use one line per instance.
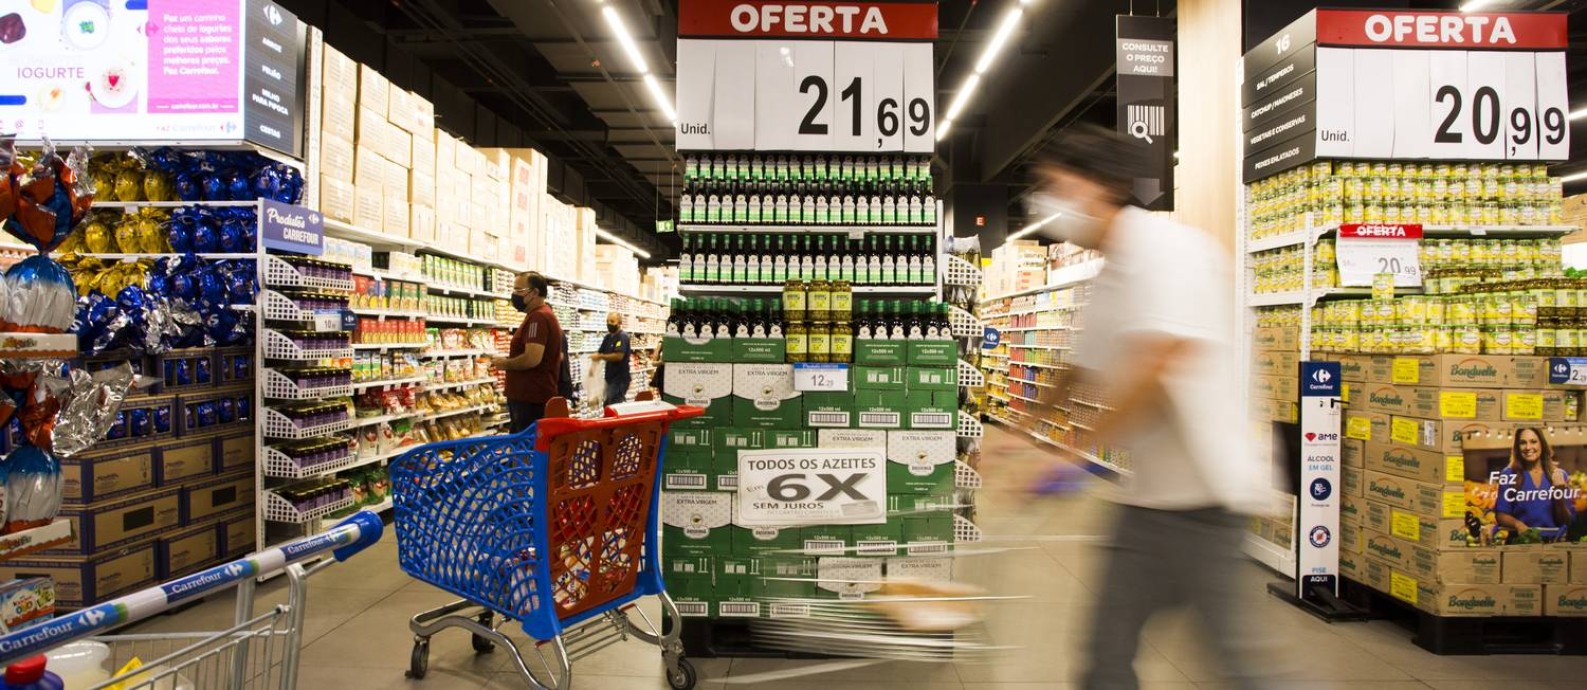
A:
(1158, 338)
(616, 349)
(536, 353)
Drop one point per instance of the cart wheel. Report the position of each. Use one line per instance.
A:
(684, 678)
(481, 644)
(419, 663)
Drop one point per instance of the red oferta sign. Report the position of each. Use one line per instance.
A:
(1468, 30)
(1381, 231)
(889, 21)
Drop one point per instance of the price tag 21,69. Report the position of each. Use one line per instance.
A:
(821, 378)
(1365, 250)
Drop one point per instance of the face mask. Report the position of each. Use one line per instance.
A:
(610, 328)
(519, 303)
(1070, 224)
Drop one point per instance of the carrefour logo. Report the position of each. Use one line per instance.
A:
(1322, 376)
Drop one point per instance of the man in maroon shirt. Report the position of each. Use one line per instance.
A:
(535, 356)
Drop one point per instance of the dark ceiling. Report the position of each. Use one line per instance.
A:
(549, 74)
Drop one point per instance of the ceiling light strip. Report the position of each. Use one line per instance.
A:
(605, 234)
(653, 85)
(983, 64)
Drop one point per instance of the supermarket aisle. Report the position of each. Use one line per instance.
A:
(357, 635)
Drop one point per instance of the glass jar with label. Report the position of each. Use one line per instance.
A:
(818, 343)
(797, 339)
(794, 306)
(818, 301)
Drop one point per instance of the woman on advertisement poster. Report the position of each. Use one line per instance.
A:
(1534, 493)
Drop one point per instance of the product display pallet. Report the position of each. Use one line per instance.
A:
(1462, 636)
(726, 638)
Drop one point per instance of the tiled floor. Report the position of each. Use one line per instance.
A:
(357, 636)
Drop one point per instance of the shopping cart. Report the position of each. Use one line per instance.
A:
(554, 528)
(259, 651)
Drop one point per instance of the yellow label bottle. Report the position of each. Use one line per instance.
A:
(798, 341)
(793, 301)
(842, 302)
(819, 343)
(819, 301)
(842, 343)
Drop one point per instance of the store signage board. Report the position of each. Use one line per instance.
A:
(1317, 560)
(806, 76)
(785, 488)
(1365, 250)
(1144, 80)
(291, 228)
(820, 378)
(991, 338)
(1387, 84)
(155, 70)
(1567, 371)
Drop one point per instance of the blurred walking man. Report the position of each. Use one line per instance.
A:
(1158, 339)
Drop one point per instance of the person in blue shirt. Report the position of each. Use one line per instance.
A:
(1534, 492)
(616, 349)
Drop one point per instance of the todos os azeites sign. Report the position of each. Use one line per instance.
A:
(785, 488)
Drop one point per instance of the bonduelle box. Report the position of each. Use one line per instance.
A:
(1478, 566)
(1547, 405)
(1565, 600)
(1479, 404)
(696, 522)
(1476, 600)
(1414, 463)
(1353, 480)
(1422, 498)
(1353, 452)
(920, 462)
(828, 410)
(1532, 564)
(1442, 435)
(1465, 371)
(1278, 338)
(1386, 398)
(1422, 530)
(764, 397)
(1269, 363)
(1366, 425)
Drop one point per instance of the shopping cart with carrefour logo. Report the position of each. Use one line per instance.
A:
(260, 650)
(554, 528)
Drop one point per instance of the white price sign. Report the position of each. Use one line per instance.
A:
(751, 77)
(821, 378)
(834, 486)
(1445, 86)
(1363, 251)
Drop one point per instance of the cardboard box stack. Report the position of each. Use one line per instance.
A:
(160, 497)
(1426, 439)
(1018, 265)
(902, 400)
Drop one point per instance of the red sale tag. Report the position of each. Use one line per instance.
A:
(1385, 231)
(1367, 249)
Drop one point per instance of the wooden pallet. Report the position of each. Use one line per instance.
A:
(1457, 636)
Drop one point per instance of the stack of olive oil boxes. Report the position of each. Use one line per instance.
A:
(902, 399)
(1423, 437)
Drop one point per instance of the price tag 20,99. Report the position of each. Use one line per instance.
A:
(1365, 250)
(821, 378)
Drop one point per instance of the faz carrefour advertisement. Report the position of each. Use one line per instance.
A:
(1527, 485)
(151, 70)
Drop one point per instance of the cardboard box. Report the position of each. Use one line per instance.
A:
(338, 158)
(705, 385)
(1421, 530)
(1386, 398)
(235, 452)
(685, 470)
(850, 579)
(826, 540)
(1353, 481)
(792, 438)
(238, 533)
(690, 439)
(928, 533)
(396, 215)
(1352, 509)
(1269, 363)
(1536, 565)
(1432, 500)
(209, 499)
(1276, 387)
(826, 410)
(937, 410)
(697, 522)
(108, 524)
(1546, 405)
(764, 396)
(754, 541)
(694, 596)
(1353, 452)
(1387, 549)
(97, 476)
(867, 378)
(852, 438)
(1478, 566)
(933, 379)
(1352, 537)
(760, 350)
(188, 550)
(1281, 338)
(1463, 371)
(879, 540)
(1565, 600)
(679, 350)
(1478, 404)
(1442, 435)
(688, 566)
(1364, 425)
(369, 206)
(921, 462)
(26, 601)
(1470, 600)
(880, 409)
(181, 461)
(928, 353)
(787, 578)
(374, 90)
(1414, 463)
(82, 582)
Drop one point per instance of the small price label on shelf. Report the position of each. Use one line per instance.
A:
(328, 320)
(821, 378)
(1365, 250)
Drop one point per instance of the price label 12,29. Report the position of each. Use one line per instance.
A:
(820, 378)
(1366, 250)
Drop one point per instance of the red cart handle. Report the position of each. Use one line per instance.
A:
(551, 427)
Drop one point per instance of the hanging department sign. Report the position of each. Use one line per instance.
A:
(784, 488)
(806, 76)
(1145, 84)
(1381, 84)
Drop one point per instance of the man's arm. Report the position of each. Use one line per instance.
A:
(1153, 356)
(532, 354)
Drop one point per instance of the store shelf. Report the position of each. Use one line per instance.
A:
(135, 256)
(958, 272)
(389, 313)
(1037, 365)
(380, 507)
(436, 387)
(464, 292)
(278, 509)
(277, 272)
(386, 347)
(1061, 348)
(467, 323)
(278, 466)
(1036, 310)
(279, 307)
(777, 289)
(134, 205)
(279, 346)
(806, 229)
(1058, 279)
(1024, 329)
(1017, 396)
(461, 410)
(1071, 450)
(1280, 559)
(361, 422)
(1013, 379)
(1300, 237)
(1296, 297)
(18, 544)
(366, 385)
(279, 426)
(453, 354)
(278, 386)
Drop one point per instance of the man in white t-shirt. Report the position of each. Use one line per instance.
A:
(1158, 338)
